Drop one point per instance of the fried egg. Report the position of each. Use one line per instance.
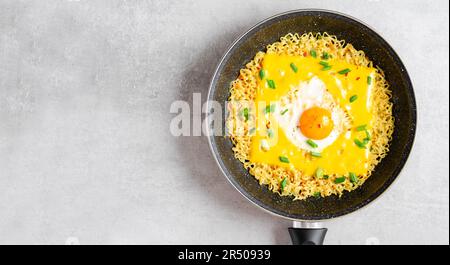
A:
(309, 117)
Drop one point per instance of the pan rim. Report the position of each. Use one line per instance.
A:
(376, 195)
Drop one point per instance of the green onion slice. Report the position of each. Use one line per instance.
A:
(311, 143)
(323, 63)
(313, 53)
(270, 133)
(360, 144)
(262, 74)
(353, 177)
(369, 80)
(294, 67)
(283, 183)
(319, 172)
(339, 180)
(353, 98)
(270, 108)
(367, 135)
(284, 111)
(284, 159)
(245, 113)
(316, 154)
(344, 71)
(361, 128)
(271, 83)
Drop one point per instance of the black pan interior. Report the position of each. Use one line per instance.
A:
(379, 51)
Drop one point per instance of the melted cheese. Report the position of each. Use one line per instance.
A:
(343, 155)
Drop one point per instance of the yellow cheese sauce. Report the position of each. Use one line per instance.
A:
(343, 155)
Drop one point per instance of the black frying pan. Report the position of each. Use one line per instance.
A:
(381, 53)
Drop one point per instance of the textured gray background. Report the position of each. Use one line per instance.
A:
(85, 150)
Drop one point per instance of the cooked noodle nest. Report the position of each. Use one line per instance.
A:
(296, 183)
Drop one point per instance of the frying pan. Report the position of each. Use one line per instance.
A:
(306, 214)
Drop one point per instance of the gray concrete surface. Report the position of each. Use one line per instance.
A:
(85, 150)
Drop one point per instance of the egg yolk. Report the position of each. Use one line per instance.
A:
(316, 123)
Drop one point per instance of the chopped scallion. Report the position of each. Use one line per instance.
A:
(353, 177)
(326, 68)
(353, 98)
(360, 144)
(319, 172)
(316, 154)
(262, 74)
(323, 63)
(294, 67)
(311, 143)
(339, 180)
(361, 128)
(344, 71)
(283, 159)
(284, 111)
(313, 53)
(283, 183)
(271, 83)
(245, 113)
(270, 133)
(269, 108)
(367, 135)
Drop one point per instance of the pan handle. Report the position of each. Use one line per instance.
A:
(307, 233)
